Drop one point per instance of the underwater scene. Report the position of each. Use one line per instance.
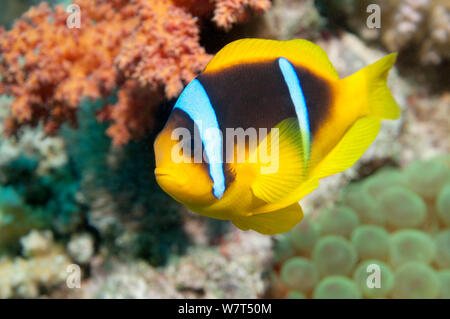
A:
(235, 149)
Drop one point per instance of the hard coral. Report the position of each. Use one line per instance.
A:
(43, 268)
(420, 26)
(142, 48)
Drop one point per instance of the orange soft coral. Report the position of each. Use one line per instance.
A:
(146, 49)
(164, 49)
(49, 67)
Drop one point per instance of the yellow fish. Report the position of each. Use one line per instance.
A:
(264, 122)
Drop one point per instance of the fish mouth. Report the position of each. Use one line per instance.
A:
(168, 174)
(162, 172)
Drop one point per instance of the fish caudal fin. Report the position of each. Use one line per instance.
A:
(275, 222)
(372, 80)
(370, 102)
(381, 102)
(350, 148)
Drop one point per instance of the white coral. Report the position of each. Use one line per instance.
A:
(45, 267)
(420, 25)
(50, 151)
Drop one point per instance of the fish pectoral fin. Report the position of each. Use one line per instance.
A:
(281, 169)
(271, 223)
(349, 149)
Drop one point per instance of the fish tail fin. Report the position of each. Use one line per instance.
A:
(372, 81)
(366, 100)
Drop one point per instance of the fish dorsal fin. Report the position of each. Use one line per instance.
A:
(271, 223)
(349, 149)
(284, 171)
(299, 52)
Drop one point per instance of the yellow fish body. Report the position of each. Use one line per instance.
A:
(298, 120)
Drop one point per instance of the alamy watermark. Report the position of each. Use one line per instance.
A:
(74, 19)
(189, 149)
(374, 277)
(374, 19)
(74, 276)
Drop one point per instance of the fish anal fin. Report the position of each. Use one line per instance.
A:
(273, 222)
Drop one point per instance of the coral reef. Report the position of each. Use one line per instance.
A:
(136, 49)
(425, 23)
(334, 255)
(50, 73)
(13, 9)
(411, 214)
(132, 279)
(16, 219)
(127, 57)
(43, 268)
(338, 220)
(299, 274)
(336, 287)
(227, 12)
(443, 205)
(411, 241)
(419, 139)
(416, 281)
(37, 188)
(30, 200)
(49, 152)
(126, 207)
(415, 27)
(386, 282)
(81, 248)
(116, 77)
(235, 270)
(371, 242)
(288, 19)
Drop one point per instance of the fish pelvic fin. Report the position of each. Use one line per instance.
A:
(377, 100)
(271, 223)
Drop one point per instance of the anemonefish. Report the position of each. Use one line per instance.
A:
(323, 125)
